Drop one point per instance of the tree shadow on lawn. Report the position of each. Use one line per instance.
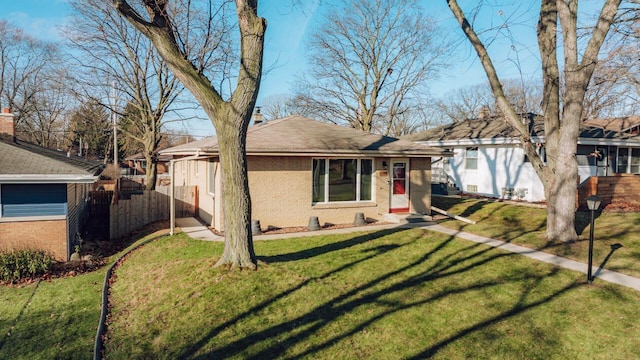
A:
(431, 266)
(321, 250)
(9, 324)
(474, 208)
(583, 220)
(582, 223)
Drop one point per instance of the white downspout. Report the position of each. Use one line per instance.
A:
(172, 196)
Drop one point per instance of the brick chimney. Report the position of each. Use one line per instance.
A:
(257, 116)
(484, 113)
(7, 125)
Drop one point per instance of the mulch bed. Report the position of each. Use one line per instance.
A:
(95, 251)
(623, 206)
(62, 270)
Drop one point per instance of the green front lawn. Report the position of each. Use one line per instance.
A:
(390, 294)
(54, 319)
(525, 225)
(379, 295)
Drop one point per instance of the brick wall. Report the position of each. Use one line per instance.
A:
(619, 187)
(281, 191)
(420, 185)
(7, 125)
(49, 235)
(281, 194)
(381, 186)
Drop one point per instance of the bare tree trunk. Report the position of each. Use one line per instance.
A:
(230, 118)
(547, 43)
(560, 175)
(151, 172)
(236, 208)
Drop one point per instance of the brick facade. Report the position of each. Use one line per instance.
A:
(615, 188)
(47, 235)
(7, 125)
(281, 191)
(281, 194)
(420, 186)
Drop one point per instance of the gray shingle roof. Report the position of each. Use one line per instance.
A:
(22, 158)
(616, 124)
(496, 127)
(296, 135)
(484, 128)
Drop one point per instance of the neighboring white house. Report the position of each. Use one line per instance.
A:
(489, 160)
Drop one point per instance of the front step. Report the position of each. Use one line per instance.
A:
(406, 218)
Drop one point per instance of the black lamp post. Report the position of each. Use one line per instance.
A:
(593, 203)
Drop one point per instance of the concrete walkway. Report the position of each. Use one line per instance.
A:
(197, 230)
(599, 274)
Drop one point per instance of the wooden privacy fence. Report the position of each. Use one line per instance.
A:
(99, 202)
(132, 214)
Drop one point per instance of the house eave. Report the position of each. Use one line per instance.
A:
(328, 153)
(476, 142)
(46, 179)
(608, 142)
(515, 141)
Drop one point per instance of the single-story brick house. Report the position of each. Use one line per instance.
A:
(43, 194)
(299, 167)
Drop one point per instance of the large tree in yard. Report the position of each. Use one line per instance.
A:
(370, 63)
(562, 106)
(126, 62)
(230, 116)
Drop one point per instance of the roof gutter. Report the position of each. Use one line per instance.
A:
(610, 142)
(47, 179)
(335, 153)
(516, 141)
(476, 142)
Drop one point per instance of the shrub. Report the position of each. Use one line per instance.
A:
(23, 264)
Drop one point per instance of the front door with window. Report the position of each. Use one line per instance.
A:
(399, 185)
(602, 161)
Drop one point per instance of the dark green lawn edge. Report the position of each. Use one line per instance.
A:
(98, 347)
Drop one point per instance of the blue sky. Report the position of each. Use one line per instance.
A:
(287, 27)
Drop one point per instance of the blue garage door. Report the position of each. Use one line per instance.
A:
(33, 199)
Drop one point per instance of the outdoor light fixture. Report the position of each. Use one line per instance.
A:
(593, 203)
(384, 165)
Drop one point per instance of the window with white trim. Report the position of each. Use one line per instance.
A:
(211, 176)
(471, 158)
(634, 161)
(336, 180)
